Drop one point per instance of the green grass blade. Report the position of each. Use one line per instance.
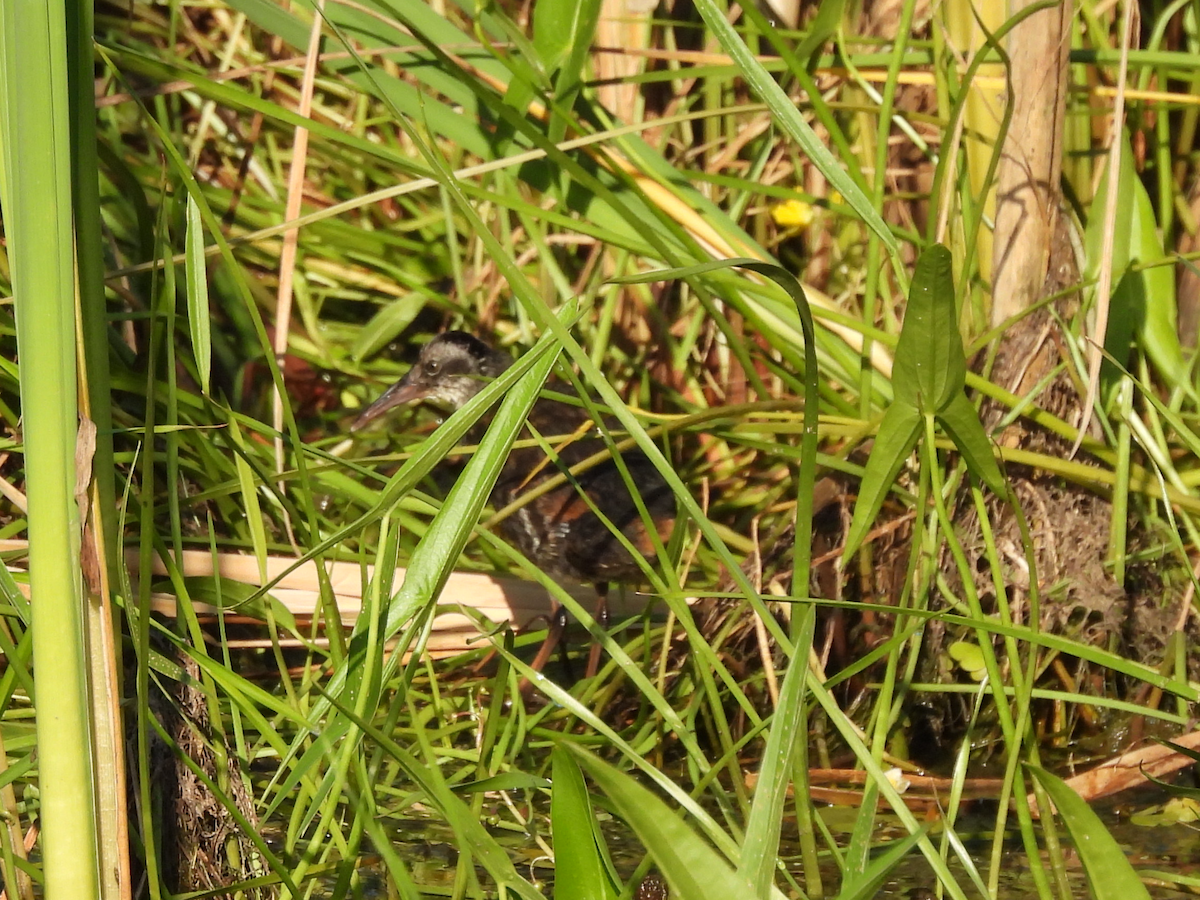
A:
(1109, 871)
(439, 551)
(822, 28)
(691, 866)
(867, 884)
(197, 295)
(579, 869)
(468, 830)
(760, 849)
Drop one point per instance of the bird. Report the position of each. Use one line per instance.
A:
(557, 530)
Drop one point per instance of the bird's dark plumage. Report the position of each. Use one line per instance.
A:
(556, 530)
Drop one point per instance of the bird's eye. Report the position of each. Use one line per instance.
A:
(432, 367)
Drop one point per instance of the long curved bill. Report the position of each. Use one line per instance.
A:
(400, 393)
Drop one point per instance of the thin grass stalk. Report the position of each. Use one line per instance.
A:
(38, 224)
(915, 589)
(1022, 684)
(959, 775)
(12, 838)
(786, 749)
(1164, 125)
(349, 758)
(287, 260)
(1104, 283)
(992, 664)
(1118, 522)
(874, 266)
(170, 375)
(970, 27)
(140, 619)
(1013, 777)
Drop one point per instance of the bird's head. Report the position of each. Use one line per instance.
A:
(452, 368)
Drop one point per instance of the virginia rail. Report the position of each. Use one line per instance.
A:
(558, 530)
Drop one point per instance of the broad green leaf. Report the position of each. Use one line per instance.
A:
(1149, 312)
(579, 870)
(563, 32)
(691, 866)
(560, 27)
(930, 368)
(1108, 870)
(197, 294)
(969, 657)
(960, 421)
(898, 433)
(1126, 312)
(1158, 334)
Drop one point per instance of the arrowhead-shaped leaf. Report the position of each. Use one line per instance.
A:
(961, 423)
(898, 433)
(930, 368)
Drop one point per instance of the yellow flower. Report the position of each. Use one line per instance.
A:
(793, 214)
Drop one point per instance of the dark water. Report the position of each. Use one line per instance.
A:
(1164, 850)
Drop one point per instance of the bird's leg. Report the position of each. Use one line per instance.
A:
(554, 638)
(600, 614)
